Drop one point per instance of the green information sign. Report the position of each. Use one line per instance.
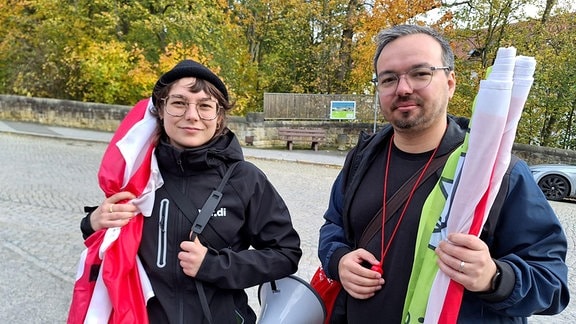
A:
(342, 109)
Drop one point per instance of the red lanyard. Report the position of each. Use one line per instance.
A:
(384, 251)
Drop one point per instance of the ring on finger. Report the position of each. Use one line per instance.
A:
(461, 269)
(111, 211)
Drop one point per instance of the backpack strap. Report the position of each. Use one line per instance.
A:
(210, 205)
(396, 201)
(399, 198)
(187, 208)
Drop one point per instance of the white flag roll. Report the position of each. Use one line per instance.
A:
(486, 130)
(494, 121)
(523, 79)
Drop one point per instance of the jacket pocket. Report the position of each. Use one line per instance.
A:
(162, 233)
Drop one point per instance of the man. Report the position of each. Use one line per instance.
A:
(516, 271)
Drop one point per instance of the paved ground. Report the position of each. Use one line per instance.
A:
(45, 180)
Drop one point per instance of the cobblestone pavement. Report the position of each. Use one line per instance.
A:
(45, 182)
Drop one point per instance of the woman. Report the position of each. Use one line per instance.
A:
(248, 240)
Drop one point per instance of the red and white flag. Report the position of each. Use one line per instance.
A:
(111, 285)
(494, 121)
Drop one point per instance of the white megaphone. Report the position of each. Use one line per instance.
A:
(290, 300)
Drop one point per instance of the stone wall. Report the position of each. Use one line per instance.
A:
(64, 113)
(253, 129)
(542, 155)
(102, 117)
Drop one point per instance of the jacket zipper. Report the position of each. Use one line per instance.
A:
(180, 275)
(162, 233)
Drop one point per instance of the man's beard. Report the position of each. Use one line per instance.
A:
(407, 121)
(411, 119)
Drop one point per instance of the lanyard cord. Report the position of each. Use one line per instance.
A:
(382, 250)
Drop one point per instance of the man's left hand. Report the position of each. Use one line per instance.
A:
(466, 259)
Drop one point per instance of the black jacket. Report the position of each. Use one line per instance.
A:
(251, 215)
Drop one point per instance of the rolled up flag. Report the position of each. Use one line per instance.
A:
(494, 121)
(462, 198)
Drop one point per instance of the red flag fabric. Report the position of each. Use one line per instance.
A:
(455, 291)
(111, 255)
(88, 269)
(112, 174)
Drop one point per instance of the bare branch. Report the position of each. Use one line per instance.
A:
(455, 4)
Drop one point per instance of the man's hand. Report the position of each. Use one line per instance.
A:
(358, 281)
(466, 259)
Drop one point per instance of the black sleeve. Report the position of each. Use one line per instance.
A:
(85, 225)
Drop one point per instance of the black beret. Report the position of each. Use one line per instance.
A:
(189, 68)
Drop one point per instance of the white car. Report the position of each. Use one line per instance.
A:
(557, 181)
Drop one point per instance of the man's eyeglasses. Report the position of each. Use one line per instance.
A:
(418, 78)
(177, 106)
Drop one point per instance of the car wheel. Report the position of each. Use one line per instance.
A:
(554, 187)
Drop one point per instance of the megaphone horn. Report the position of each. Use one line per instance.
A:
(290, 300)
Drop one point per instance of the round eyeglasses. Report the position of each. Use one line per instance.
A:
(177, 106)
(418, 78)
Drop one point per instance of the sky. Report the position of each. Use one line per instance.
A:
(533, 10)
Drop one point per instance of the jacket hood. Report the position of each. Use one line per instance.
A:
(222, 150)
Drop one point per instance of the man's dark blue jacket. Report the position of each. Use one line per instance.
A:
(528, 245)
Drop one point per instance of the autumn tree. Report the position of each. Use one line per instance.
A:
(35, 39)
(378, 15)
(485, 26)
(549, 114)
(112, 51)
(276, 42)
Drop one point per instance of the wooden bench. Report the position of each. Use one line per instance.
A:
(313, 135)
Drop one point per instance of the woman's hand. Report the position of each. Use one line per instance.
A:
(114, 211)
(191, 256)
